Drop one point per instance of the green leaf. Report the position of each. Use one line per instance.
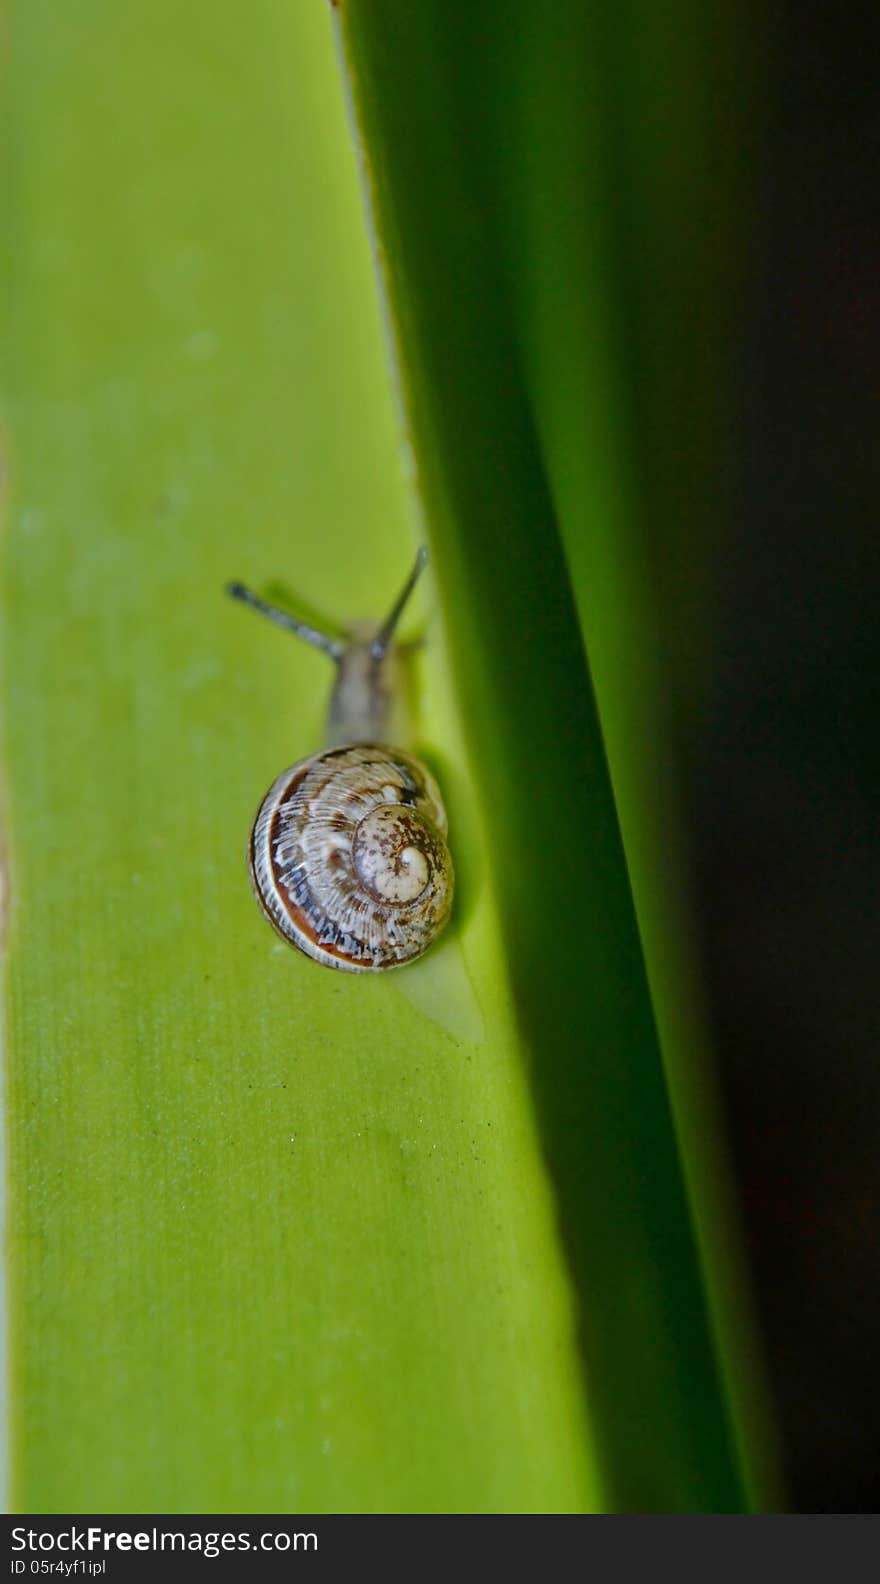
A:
(539, 184)
(282, 1239)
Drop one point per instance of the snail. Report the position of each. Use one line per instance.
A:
(348, 857)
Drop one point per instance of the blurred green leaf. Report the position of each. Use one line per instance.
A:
(543, 185)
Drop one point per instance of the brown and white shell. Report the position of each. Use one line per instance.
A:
(348, 858)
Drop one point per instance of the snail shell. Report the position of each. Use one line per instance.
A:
(348, 858)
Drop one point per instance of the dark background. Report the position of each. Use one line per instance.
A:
(782, 773)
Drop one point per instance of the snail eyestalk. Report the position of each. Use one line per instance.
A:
(380, 644)
(310, 635)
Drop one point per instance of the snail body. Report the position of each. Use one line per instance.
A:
(348, 856)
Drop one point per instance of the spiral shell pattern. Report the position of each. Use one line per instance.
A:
(348, 858)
